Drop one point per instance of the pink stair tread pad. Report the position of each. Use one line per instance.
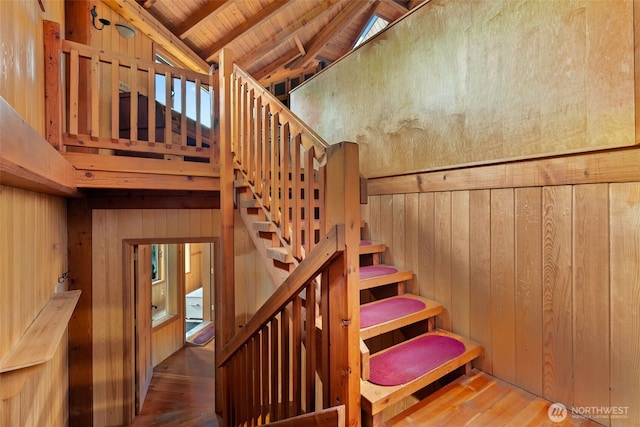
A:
(389, 309)
(369, 271)
(413, 359)
(365, 243)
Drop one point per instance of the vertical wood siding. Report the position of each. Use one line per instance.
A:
(547, 279)
(33, 243)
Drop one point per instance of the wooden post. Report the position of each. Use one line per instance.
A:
(214, 132)
(342, 183)
(52, 84)
(225, 296)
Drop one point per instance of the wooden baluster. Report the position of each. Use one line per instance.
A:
(238, 101)
(286, 366)
(115, 101)
(257, 153)
(214, 131)
(297, 355)
(248, 368)
(167, 111)
(265, 156)
(257, 378)
(249, 141)
(285, 151)
(324, 371)
(309, 236)
(275, 168)
(275, 371)
(133, 102)
(242, 125)
(199, 117)
(151, 106)
(296, 188)
(264, 407)
(183, 112)
(310, 346)
(95, 97)
(74, 83)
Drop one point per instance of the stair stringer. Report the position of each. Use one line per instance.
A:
(276, 273)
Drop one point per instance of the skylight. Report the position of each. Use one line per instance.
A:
(373, 27)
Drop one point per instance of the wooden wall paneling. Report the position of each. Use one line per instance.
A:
(425, 273)
(412, 237)
(160, 223)
(557, 297)
(503, 330)
(195, 226)
(591, 296)
(528, 280)
(480, 272)
(460, 278)
(624, 223)
(386, 228)
(398, 227)
(8, 317)
(365, 215)
(79, 219)
(442, 257)
(129, 226)
(99, 288)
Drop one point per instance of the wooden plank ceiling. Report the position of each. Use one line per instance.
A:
(272, 39)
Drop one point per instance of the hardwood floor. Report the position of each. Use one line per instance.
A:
(182, 394)
(182, 391)
(482, 400)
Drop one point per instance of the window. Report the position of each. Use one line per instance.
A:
(373, 27)
(176, 95)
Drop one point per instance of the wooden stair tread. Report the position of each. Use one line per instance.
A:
(249, 203)
(372, 276)
(375, 398)
(431, 309)
(280, 254)
(369, 247)
(264, 226)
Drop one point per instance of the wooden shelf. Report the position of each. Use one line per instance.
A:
(39, 343)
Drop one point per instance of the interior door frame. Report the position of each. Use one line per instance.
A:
(128, 312)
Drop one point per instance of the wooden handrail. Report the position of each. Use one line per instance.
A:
(311, 138)
(304, 188)
(324, 252)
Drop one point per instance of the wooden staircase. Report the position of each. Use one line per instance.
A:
(382, 286)
(386, 284)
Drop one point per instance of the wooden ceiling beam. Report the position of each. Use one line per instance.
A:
(278, 63)
(146, 23)
(289, 31)
(398, 9)
(213, 51)
(346, 16)
(190, 24)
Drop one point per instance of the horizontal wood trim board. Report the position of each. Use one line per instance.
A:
(139, 147)
(28, 161)
(591, 168)
(97, 162)
(144, 199)
(145, 181)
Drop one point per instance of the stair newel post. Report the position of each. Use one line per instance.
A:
(224, 294)
(342, 206)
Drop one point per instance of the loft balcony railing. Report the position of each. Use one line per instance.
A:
(109, 104)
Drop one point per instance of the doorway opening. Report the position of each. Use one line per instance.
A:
(173, 294)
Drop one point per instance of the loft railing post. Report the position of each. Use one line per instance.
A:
(224, 294)
(214, 132)
(342, 206)
(53, 85)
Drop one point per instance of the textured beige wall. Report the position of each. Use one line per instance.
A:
(468, 82)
